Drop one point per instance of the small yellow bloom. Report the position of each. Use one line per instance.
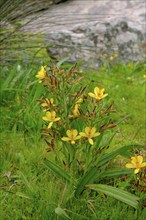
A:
(144, 76)
(41, 74)
(79, 100)
(89, 133)
(136, 163)
(115, 55)
(51, 116)
(111, 58)
(129, 65)
(76, 111)
(72, 136)
(48, 103)
(80, 71)
(105, 55)
(98, 94)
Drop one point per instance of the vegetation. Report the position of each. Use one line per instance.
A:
(51, 165)
(35, 182)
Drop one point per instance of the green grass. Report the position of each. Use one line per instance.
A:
(28, 189)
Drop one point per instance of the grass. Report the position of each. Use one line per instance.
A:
(28, 189)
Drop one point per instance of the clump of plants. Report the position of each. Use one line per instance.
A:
(78, 122)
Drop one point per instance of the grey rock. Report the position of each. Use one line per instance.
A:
(87, 31)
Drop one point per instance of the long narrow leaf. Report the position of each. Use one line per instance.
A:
(116, 172)
(87, 178)
(93, 174)
(22, 195)
(27, 183)
(58, 171)
(121, 151)
(116, 193)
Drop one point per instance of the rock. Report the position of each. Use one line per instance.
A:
(87, 31)
(90, 43)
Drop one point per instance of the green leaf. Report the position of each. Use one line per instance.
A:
(58, 171)
(26, 181)
(121, 151)
(22, 195)
(60, 212)
(93, 173)
(116, 193)
(116, 172)
(62, 61)
(87, 178)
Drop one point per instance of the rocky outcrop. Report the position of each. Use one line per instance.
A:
(90, 42)
(87, 31)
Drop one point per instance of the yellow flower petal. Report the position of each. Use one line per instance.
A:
(93, 131)
(87, 130)
(68, 133)
(91, 141)
(45, 118)
(65, 139)
(102, 91)
(130, 165)
(77, 137)
(82, 134)
(140, 159)
(91, 94)
(48, 114)
(96, 90)
(50, 124)
(143, 164)
(57, 119)
(136, 170)
(79, 100)
(104, 95)
(74, 133)
(53, 114)
(96, 134)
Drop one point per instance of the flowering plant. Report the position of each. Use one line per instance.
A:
(77, 126)
(136, 163)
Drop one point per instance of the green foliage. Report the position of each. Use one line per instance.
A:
(28, 189)
(18, 94)
(79, 109)
(119, 194)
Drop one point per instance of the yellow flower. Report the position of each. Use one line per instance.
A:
(72, 136)
(111, 58)
(105, 55)
(144, 76)
(41, 74)
(115, 55)
(51, 116)
(79, 100)
(89, 133)
(136, 163)
(80, 71)
(98, 94)
(48, 103)
(75, 111)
